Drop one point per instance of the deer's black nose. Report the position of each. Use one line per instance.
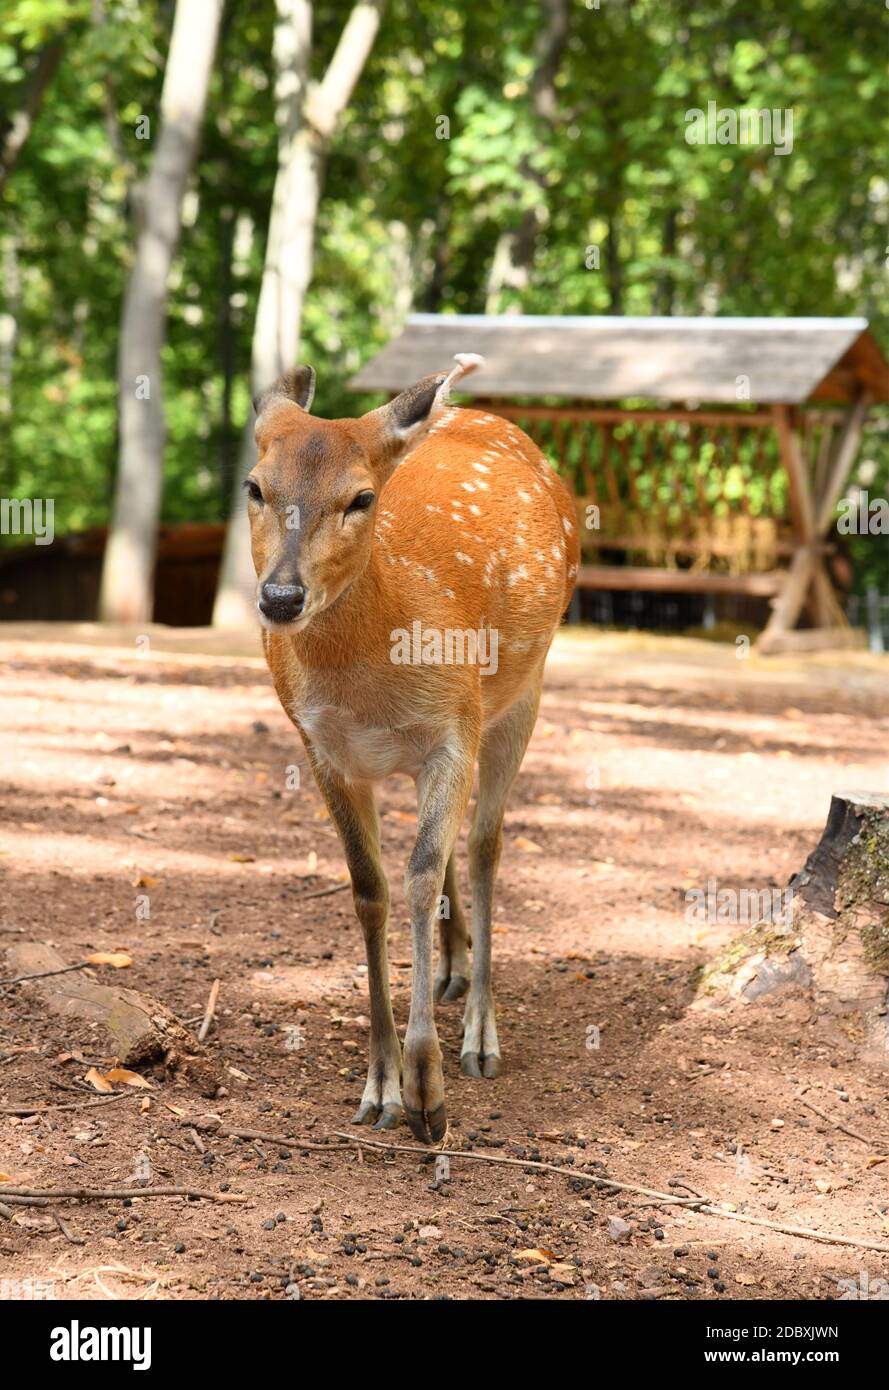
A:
(281, 603)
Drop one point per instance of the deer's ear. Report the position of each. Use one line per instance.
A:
(390, 432)
(297, 386)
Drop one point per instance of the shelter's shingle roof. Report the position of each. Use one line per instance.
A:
(787, 360)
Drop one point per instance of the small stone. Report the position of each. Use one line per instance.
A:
(619, 1230)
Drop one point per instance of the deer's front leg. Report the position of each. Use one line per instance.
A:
(443, 790)
(353, 811)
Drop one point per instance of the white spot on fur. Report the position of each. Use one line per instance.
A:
(464, 559)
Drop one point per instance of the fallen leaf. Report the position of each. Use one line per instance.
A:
(145, 881)
(529, 847)
(118, 959)
(98, 1081)
(130, 1078)
(875, 1159)
(242, 858)
(545, 1257)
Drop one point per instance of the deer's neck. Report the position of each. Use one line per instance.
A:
(357, 622)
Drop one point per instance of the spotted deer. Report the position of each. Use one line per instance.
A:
(374, 539)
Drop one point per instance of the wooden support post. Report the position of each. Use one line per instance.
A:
(841, 462)
(812, 518)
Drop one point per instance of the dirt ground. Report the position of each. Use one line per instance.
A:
(165, 770)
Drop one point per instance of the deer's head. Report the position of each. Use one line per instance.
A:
(312, 495)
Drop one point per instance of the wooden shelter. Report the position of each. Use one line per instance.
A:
(707, 454)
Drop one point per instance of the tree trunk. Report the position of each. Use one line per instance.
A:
(128, 569)
(516, 247)
(307, 118)
(834, 941)
(19, 127)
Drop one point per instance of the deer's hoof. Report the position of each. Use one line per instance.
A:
(427, 1126)
(475, 1065)
(381, 1117)
(449, 989)
(391, 1117)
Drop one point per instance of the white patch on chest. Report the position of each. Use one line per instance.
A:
(360, 751)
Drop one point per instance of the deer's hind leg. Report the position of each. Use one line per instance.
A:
(452, 975)
(354, 813)
(500, 756)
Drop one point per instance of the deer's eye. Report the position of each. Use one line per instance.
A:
(360, 503)
(253, 490)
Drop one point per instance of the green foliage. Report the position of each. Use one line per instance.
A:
(411, 220)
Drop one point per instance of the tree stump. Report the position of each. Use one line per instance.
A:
(142, 1031)
(833, 942)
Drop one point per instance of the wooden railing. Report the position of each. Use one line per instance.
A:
(704, 490)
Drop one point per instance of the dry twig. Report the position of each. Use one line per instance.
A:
(209, 1011)
(668, 1198)
(39, 1107)
(873, 1144)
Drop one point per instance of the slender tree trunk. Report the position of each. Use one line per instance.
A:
(10, 300)
(665, 290)
(226, 348)
(127, 574)
(307, 118)
(19, 127)
(613, 268)
(516, 247)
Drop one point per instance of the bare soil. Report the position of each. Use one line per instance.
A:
(168, 775)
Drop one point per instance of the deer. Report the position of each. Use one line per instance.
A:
(419, 517)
